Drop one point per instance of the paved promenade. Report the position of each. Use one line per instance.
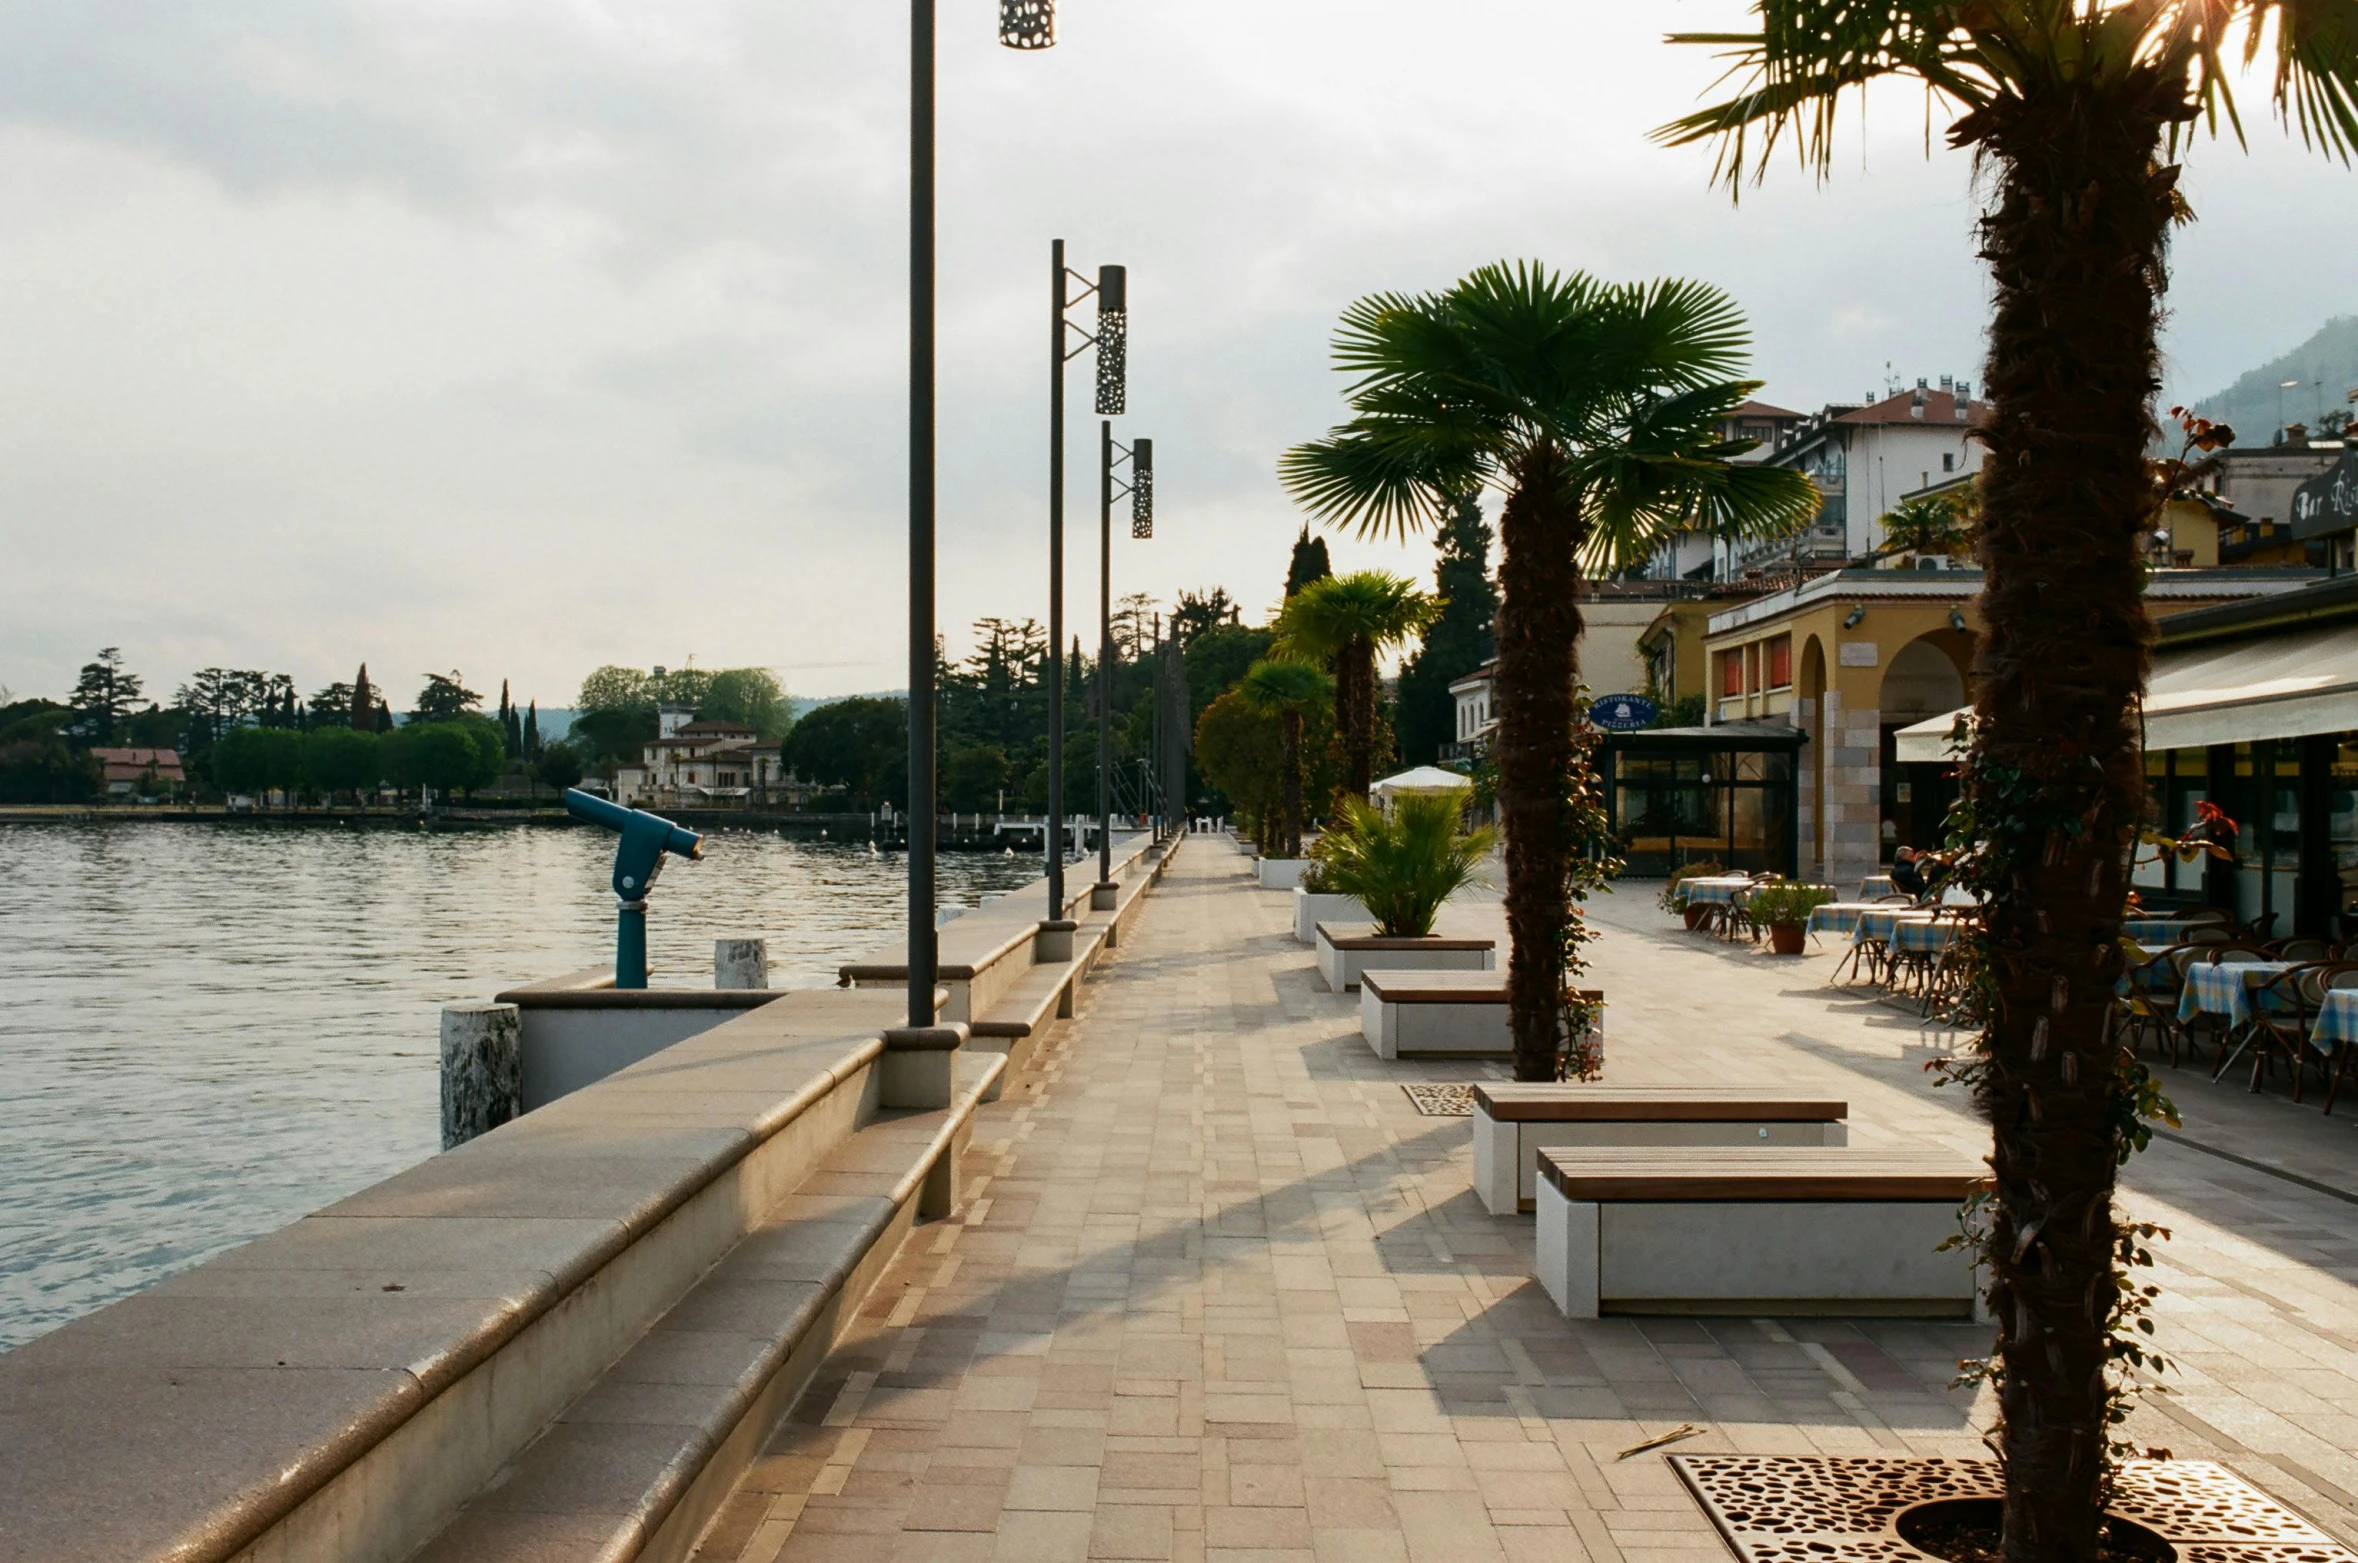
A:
(1219, 1292)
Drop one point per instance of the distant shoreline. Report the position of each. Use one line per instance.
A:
(976, 836)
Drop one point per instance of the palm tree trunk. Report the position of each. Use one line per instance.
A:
(2075, 245)
(1538, 626)
(1289, 726)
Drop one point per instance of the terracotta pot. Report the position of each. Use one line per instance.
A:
(1694, 918)
(1788, 938)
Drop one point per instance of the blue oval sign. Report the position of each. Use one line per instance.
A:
(1623, 713)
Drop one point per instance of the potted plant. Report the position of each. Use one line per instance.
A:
(1674, 894)
(1401, 867)
(1784, 910)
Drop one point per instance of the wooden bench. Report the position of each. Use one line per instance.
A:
(1347, 949)
(1438, 1014)
(1514, 1122)
(1755, 1231)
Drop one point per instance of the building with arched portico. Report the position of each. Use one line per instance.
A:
(1852, 656)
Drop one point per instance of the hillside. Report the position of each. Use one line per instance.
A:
(2326, 367)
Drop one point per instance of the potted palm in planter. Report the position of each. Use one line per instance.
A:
(1401, 867)
(1783, 909)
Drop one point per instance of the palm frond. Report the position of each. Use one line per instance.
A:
(2316, 86)
(1377, 476)
(1807, 55)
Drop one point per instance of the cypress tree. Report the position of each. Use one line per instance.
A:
(532, 730)
(364, 702)
(1308, 564)
(1460, 641)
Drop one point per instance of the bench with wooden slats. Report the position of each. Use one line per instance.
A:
(1516, 1122)
(1346, 950)
(1756, 1230)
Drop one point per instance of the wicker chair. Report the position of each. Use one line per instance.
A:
(2332, 1064)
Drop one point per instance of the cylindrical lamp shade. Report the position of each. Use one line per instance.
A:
(1027, 24)
(1142, 488)
(1113, 340)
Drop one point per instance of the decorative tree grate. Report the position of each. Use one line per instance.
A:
(1785, 1508)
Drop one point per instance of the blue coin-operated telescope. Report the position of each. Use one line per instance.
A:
(637, 860)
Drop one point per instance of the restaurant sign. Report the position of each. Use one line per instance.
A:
(2328, 502)
(1623, 713)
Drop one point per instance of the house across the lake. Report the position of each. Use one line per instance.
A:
(140, 773)
(693, 762)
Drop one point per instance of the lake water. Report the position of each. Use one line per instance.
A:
(208, 1031)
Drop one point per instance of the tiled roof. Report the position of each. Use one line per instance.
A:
(1940, 409)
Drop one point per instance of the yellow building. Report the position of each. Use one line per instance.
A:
(1853, 656)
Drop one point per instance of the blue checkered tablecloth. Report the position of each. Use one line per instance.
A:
(1876, 884)
(2337, 1019)
(1715, 892)
(1924, 935)
(2154, 931)
(1838, 917)
(1876, 922)
(2225, 990)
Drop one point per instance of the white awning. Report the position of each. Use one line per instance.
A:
(2284, 686)
(1424, 778)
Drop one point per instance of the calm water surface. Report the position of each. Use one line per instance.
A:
(206, 1032)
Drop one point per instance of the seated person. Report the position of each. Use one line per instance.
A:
(1907, 874)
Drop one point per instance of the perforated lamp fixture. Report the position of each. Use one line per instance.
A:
(1113, 340)
(1027, 24)
(1142, 488)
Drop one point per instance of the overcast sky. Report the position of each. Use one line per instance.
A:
(520, 336)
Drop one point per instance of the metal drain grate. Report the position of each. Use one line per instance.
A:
(1442, 1101)
(1786, 1508)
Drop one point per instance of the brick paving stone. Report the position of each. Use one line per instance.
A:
(1218, 1292)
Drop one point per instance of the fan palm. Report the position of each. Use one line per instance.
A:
(2077, 107)
(1931, 524)
(1288, 691)
(1350, 620)
(1596, 406)
(1403, 867)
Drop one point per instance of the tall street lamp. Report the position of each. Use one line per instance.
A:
(1111, 454)
(917, 1064)
(1111, 340)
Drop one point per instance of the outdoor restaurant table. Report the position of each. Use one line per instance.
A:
(1923, 935)
(1716, 892)
(2153, 930)
(1876, 922)
(2225, 989)
(1876, 884)
(2337, 1019)
(1840, 917)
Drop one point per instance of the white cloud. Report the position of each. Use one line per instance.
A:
(522, 337)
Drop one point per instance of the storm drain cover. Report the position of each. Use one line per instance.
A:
(1792, 1508)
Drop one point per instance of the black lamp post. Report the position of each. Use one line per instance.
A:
(1023, 24)
(1139, 455)
(1111, 339)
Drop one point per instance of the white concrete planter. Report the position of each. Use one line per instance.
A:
(1280, 873)
(1347, 949)
(1312, 907)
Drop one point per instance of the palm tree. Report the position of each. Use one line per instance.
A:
(1930, 524)
(1596, 407)
(1287, 691)
(2076, 107)
(1349, 620)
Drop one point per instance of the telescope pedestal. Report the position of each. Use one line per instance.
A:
(630, 945)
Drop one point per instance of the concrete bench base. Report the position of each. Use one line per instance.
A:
(1748, 1231)
(1513, 1123)
(1434, 1014)
(1345, 950)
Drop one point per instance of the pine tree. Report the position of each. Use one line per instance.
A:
(1308, 564)
(1460, 641)
(364, 702)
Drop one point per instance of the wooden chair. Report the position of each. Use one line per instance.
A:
(2150, 1007)
(2333, 1065)
(2187, 1034)
(2204, 914)
(2283, 1008)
